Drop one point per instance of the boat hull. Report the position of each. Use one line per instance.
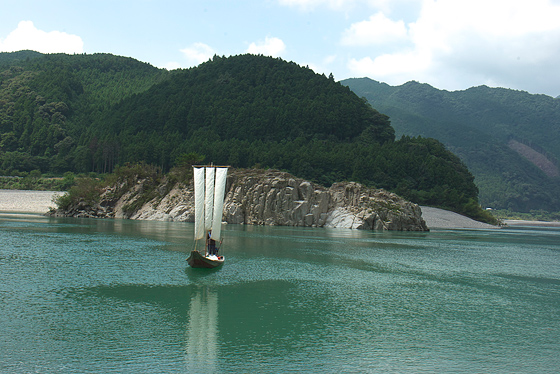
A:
(196, 260)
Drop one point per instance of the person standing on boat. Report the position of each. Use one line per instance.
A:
(211, 245)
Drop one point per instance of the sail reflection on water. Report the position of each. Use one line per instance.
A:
(202, 330)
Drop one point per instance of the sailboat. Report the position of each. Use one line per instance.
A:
(209, 191)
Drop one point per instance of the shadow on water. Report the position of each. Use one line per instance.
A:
(539, 280)
(188, 313)
(266, 314)
(167, 296)
(197, 274)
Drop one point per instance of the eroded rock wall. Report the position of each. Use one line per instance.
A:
(269, 197)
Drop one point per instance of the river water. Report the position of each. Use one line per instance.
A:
(86, 295)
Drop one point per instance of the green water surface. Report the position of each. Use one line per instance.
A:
(107, 296)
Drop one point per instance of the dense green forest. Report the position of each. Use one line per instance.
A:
(479, 125)
(48, 101)
(91, 113)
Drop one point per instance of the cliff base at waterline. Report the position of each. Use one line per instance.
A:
(267, 197)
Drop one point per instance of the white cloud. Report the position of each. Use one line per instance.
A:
(395, 67)
(311, 4)
(27, 36)
(270, 47)
(344, 5)
(324, 67)
(378, 29)
(329, 59)
(455, 44)
(197, 53)
(171, 65)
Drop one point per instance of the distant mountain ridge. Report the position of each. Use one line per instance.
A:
(509, 139)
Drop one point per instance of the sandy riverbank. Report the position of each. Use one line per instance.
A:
(27, 201)
(443, 219)
(40, 202)
(513, 222)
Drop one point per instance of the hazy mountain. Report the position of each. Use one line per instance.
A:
(510, 140)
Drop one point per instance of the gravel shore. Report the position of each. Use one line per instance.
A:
(443, 219)
(40, 201)
(512, 222)
(27, 201)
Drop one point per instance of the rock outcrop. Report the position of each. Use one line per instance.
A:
(270, 197)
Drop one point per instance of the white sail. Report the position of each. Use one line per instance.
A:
(209, 198)
(198, 203)
(219, 192)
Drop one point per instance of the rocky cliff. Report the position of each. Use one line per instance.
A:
(260, 197)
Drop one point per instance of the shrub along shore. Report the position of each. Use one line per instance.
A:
(39, 202)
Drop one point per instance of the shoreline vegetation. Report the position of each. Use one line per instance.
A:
(35, 181)
(533, 216)
(86, 187)
(39, 202)
(254, 196)
(156, 183)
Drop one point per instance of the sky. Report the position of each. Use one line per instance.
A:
(449, 44)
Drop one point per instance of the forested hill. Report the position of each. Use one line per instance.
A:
(251, 98)
(510, 140)
(90, 113)
(9, 59)
(46, 102)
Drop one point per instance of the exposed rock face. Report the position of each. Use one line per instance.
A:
(270, 197)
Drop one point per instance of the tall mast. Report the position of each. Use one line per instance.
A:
(209, 198)
(199, 194)
(219, 192)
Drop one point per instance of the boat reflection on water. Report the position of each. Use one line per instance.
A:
(202, 330)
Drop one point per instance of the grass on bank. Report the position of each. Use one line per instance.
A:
(142, 182)
(534, 215)
(87, 189)
(37, 182)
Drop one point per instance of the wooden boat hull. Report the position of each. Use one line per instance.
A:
(196, 260)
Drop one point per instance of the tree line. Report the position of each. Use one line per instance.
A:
(91, 113)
